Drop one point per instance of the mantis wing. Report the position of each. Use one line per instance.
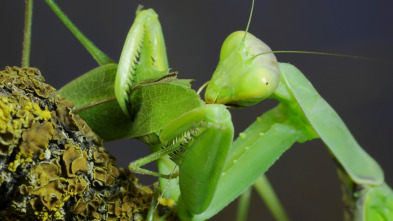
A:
(93, 98)
(93, 95)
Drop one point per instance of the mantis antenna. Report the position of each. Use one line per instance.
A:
(249, 21)
(325, 53)
(303, 52)
(166, 187)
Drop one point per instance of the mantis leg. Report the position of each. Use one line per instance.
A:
(259, 145)
(265, 190)
(27, 34)
(200, 166)
(202, 138)
(243, 204)
(96, 53)
(135, 166)
(143, 57)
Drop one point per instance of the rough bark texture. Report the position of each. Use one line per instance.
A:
(52, 166)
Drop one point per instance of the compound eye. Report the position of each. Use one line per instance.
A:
(255, 85)
(231, 43)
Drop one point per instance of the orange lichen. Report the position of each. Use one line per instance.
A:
(57, 167)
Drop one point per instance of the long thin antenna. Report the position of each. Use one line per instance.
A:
(165, 188)
(249, 21)
(325, 53)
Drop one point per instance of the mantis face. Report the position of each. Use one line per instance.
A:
(243, 76)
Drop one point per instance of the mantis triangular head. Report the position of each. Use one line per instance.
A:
(243, 78)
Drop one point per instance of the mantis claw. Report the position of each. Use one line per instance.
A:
(144, 50)
(198, 178)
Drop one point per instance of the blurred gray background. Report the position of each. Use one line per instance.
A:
(360, 91)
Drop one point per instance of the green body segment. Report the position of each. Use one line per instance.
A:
(201, 164)
(243, 78)
(144, 50)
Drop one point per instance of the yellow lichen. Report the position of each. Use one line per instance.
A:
(10, 130)
(79, 164)
(36, 138)
(79, 207)
(46, 172)
(57, 167)
(74, 160)
(77, 186)
(166, 202)
(100, 158)
(100, 175)
(52, 194)
(25, 190)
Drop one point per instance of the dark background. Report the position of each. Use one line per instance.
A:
(360, 91)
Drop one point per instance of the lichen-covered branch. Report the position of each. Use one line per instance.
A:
(52, 166)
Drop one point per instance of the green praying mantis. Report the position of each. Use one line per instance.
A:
(274, 125)
(199, 136)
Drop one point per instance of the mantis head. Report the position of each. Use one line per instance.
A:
(244, 75)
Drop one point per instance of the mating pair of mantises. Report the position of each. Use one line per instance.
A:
(191, 140)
